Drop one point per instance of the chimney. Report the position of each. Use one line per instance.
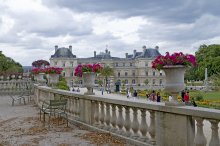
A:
(94, 53)
(56, 48)
(144, 48)
(134, 53)
(109, 52)
(157, 48)
(106, 51)
(126, 55)
(70, 48)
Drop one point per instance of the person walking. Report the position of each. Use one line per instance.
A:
(135, 93)
(158, 97)
(102, 89)
(153, 96)
(186, 98)
(182, 95)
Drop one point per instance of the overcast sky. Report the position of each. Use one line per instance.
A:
(29, 29)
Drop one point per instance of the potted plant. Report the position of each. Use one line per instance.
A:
(88, 73)
(174, 66)
(38, 75)
(53, 75)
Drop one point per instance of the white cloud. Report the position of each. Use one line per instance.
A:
(29, 29)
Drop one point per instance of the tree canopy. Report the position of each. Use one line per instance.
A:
(207, 57)
(8, 65)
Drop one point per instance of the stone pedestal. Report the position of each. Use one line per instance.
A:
(88, 82)
(174, 82)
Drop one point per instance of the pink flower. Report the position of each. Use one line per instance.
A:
(174, 59)
(96, 68)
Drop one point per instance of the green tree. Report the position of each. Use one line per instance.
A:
(207, 57)
(106, 72)
(8, 65)
(146, 82)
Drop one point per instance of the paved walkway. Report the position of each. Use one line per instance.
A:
(20, 126)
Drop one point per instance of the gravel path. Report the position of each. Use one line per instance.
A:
(20, 126)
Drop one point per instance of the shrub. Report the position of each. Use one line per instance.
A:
(62, 84)
(199, 97)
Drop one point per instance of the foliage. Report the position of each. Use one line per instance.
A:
(216, 80)
(8, 65)
(40, 63)
(146, 82)
(199, 97)
(62, 84)
(106, 72)
(174, 59)
(80, 69)
(207, 57)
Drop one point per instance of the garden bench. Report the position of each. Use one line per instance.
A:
(54, 108)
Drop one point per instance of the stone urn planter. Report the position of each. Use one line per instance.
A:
(53, 79)
(40, 78)
(174, 82)
(1, 78)
(89, 82)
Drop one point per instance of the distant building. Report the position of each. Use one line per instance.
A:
(134, 69)
(26, 70)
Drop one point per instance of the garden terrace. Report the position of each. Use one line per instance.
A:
(137, 121)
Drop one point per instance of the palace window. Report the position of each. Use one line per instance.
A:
(131, 64)
(118, 74)
(133, 73)
(146, 73)
(153, 81)
(126, 81)
(116, 64)
(126, 73)
(123, 64)
(133, 81)
(146, 63)
(64, 64)
(161, 81)
(154, 73)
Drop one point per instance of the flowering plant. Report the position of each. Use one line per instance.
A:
(40, 63)
(80, 69)
(37, 70)
(53, 70)
(174, 59)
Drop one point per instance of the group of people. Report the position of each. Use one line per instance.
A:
(153, 96)
(77, 90)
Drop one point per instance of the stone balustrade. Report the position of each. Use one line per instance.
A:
(138, 122)
(15, 86)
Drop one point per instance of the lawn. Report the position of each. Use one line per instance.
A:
(213, 95)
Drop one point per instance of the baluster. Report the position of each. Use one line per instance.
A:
(143, 126)
(96, 115)
(120, 120)
(68, 105)
(72, 106)
(127, 121)
(200, 139)
(102, 116)
(113, 118)
(77, 109)
(135, 123)
(152, 126)
(107, 117)
(215, 137)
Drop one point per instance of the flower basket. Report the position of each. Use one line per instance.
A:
(88, 73)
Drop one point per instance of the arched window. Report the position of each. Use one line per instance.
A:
(133, 81)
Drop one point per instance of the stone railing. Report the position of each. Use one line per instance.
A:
(138, 122)
(15, 86)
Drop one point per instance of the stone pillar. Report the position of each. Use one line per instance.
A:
(215, 137)
(127, 121)
(174, 129)
(113, 118)
(85, 111)
(135, 124)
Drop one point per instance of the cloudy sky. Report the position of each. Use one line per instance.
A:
(29, 29)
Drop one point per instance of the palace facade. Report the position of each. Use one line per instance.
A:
(133, 69)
